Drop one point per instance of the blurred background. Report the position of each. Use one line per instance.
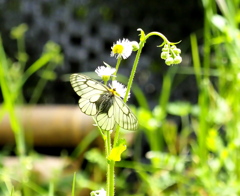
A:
(189, 133)
(86, 30)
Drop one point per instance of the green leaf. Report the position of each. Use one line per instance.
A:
(116, 152)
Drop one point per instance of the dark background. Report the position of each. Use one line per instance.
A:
(86, 30)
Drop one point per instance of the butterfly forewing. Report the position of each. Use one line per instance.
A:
(96, 100)
(89, 91)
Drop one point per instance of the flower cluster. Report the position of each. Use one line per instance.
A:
(122, 49)
(171, 54)
(105, 73)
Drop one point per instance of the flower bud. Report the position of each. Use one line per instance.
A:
(105, 78)
(164, 49)
(166, 46)
(135, 45)
(177, 51)
(169, 61)
(164, 55)
(177, 60)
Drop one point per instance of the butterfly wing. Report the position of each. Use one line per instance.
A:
(93, 95)
(118, 112)
(106, 120)
(123, 115)
(89, 91)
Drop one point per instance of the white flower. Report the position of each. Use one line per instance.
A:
(122, 49)
(135, 45)
(103, 71)
(100, 192)
(120, 88)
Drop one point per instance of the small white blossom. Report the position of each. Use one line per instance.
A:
(103, 71)
(135, 45)
(122, 49)
(100, 192)
(120, 88)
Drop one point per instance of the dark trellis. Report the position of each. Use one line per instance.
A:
(86, 29)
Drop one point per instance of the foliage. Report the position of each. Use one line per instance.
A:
(13, 76)
(201, 157)
(198, 156)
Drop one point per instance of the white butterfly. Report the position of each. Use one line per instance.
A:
(96, 99)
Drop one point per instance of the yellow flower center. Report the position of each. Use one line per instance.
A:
(117, 49)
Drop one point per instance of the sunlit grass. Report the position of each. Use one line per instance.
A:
(12, 79)
(198, 158)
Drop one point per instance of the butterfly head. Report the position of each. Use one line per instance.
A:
(114, 91)
(118, 89)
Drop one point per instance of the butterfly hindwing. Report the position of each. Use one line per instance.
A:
(106, 120)
(123, 115)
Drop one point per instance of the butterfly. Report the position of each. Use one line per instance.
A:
(96, 99)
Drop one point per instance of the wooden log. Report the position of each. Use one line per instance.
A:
(49, 125)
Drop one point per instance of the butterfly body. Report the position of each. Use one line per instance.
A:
(104, 103)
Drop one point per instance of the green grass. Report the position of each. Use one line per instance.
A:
(200, 159)
(207, 145)
(13, 76)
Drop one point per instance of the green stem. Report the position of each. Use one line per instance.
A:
(74, 184)
(160, 35)
(21, 52)
(9, 103)
(130, 81)
(135, 64)
(110, 169)
(110, 178)
(108, 143)
(110, 166)
(117, 66)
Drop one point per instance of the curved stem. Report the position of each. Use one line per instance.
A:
(130, 81)
(158, 34)
(135, 64)
(111, 164)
